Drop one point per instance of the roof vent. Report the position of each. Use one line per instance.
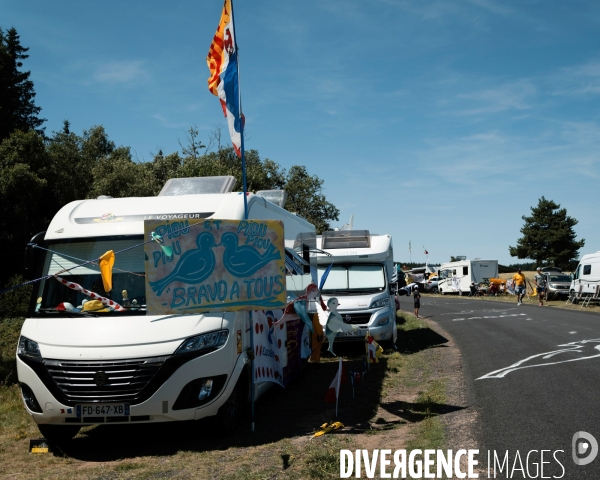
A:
(278, 197)
(197, 185)
(346, 239)
(103, 197)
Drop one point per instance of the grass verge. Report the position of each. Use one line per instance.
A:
(398, 404)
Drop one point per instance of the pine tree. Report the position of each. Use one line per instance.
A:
(17, 106)
(548, 236)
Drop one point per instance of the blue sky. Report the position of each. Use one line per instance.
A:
(439, 122)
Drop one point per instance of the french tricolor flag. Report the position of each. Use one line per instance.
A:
(223, 81)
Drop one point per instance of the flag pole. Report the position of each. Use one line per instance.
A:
(241, 120)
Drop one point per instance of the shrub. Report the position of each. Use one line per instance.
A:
(10, 329)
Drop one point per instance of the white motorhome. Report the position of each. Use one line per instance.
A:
(81, 368)
(361, 279)
(456, 277)
(587, 274)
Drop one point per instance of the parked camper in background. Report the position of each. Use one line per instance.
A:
(587, 274)
(361, 279)
(78, 367)
(456, 277)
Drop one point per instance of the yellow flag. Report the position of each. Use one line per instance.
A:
(106, 265)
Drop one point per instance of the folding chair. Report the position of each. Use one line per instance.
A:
(591, 298)
(574, 295)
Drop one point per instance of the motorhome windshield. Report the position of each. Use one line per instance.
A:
(352, 279)
(128, 279)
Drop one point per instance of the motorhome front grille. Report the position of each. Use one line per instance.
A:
(103, 381)
(356, 318)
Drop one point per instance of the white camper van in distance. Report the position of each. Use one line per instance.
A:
(361, 279)
(456, 277)
(587, 274)
(81, 368)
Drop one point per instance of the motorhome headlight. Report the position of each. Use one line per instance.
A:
(384, 302)
(29, 348)
(206, 341)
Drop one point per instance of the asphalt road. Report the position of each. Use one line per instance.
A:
(533, 375)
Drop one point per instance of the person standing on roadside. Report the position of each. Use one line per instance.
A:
(520, 285)
(540, 286)
(417, 298)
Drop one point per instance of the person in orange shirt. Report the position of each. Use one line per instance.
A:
(519, 280)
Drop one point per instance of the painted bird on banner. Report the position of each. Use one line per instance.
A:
(244, 260)
(194, 266)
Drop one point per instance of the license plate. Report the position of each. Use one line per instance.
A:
(354, 333)
(112, 410)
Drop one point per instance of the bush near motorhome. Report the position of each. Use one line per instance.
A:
(10, 329)
(13, 308)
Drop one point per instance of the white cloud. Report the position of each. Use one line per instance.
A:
(121, 72)
(578, 80)
(516, 95)
(168, 123)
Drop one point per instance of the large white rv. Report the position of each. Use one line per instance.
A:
(456, 277)
(81, 368)
(361, 279)
(587, 274)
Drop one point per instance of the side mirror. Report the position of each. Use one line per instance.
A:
(572, 276)
(33, 256)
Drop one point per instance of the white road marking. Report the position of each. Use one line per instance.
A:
(571, 348)
(490, 316)
(572, 333)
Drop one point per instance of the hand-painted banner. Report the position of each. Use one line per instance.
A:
(270, 349)
(277, 346)
(214, 266)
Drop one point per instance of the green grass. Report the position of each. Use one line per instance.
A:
(15, 423)
(429, 433)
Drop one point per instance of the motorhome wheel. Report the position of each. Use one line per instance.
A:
(59, 433)
(230, 414)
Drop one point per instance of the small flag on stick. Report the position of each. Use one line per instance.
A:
(374, 350)
(333, 392)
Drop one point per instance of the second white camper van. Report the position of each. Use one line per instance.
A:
(362, 267)
(456, 277)
(587, 274)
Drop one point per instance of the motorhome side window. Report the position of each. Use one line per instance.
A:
(465, 270)
(62, 260)
(577, 271)
(454, 272)
(587, 269)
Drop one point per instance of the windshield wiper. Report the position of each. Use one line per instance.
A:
(68, 313)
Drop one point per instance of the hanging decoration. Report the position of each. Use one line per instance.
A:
(103, 300)
(106, 263)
